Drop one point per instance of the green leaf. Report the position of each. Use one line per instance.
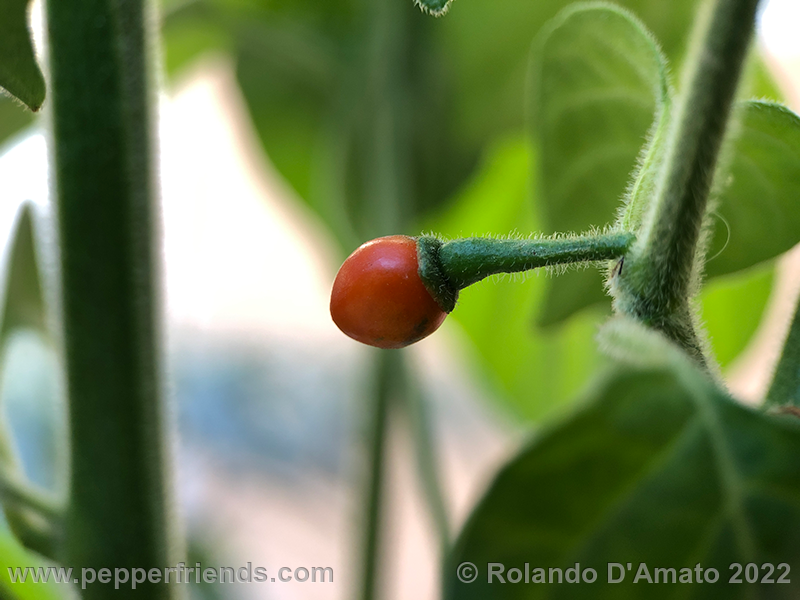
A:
(758, 191)
(487, 45)
(21, 306)
(19, 72)
(732, 307)
(569, 294)
(785, 387)
(367, 151)
(13, 555)
(657, 466)
(495, 314)
(756, 220)
(13, 118)
(23, 302)
(597, 80)
(757, 80)
(288, 76)
(191, 30)
(455, 83)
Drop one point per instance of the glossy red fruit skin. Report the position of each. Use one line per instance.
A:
(378, 297)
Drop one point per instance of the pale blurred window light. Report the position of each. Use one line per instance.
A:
(778, 26)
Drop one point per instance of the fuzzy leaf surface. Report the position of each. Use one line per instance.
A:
(760, 218)
(597, 82)
(655, 439)
(598, 78)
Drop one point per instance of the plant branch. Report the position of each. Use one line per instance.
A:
(101, 53)
(662, 267)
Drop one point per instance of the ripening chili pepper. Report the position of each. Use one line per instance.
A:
(378, 297)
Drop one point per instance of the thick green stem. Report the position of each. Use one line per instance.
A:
(102, 93)
(447, 267)
(387, 372)
(662, 267)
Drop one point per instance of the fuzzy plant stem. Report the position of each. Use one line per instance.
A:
(661, 270)
(447, 267)
(102, 88)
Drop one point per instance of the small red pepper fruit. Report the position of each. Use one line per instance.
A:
(378, 297)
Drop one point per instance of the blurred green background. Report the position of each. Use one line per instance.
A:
(380, 119)
(386, 120)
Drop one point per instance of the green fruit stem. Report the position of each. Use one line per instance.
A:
(447, 267)
(663, 266)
